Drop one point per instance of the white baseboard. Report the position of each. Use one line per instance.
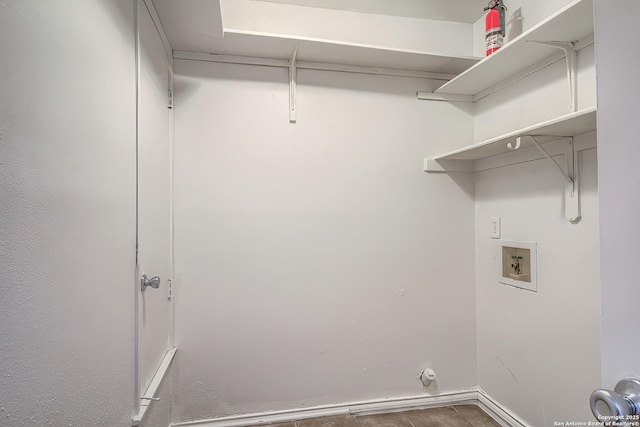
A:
(360, 408)
(476, 397)
(498, 412)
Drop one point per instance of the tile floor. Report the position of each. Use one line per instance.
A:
(450, 416)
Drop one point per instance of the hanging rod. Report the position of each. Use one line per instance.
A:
(309, 65)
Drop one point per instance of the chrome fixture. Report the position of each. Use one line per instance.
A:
(615, 405)
(154, 282)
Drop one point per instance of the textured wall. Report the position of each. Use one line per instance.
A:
(67, 216)
(316, 263)
(159, 412)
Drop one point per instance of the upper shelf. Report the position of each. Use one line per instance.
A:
(256, 44)
(570, 24)
(573, 124)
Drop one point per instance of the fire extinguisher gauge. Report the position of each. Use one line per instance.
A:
(492, 4)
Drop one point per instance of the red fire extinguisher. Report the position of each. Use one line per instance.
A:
(494, 27)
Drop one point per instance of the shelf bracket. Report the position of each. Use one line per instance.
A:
(571, 55)
(292, 86)
(572, 190)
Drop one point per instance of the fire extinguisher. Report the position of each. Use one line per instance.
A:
(494, 27)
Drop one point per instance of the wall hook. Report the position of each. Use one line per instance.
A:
(511, 147)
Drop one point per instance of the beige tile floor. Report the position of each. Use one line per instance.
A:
(450, 416)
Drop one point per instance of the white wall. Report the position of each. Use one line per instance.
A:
(67, 217)
(617, 33)
(542, 96)
(538, 352)
(316, 263)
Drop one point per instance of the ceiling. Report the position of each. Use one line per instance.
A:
(467, 11)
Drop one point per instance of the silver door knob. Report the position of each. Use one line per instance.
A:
(154, 282)
(624, 400)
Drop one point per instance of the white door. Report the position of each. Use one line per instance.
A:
(154, 203)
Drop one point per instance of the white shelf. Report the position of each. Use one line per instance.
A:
(573, 124)
(570, 24)
(266, 45)
(569, 125)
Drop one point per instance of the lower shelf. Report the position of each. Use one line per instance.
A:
(569, 125)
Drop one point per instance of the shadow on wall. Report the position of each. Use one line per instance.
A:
(185, 87)
(465, 181)
(515, 24)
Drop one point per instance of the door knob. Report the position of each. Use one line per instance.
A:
(624, 400)
(154, 282)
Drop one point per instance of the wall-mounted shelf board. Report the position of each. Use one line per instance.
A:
(570, 24)
(561, 129)
(573, 124)
(267, 45)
